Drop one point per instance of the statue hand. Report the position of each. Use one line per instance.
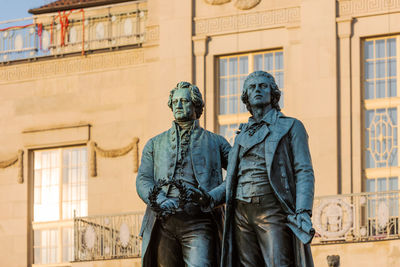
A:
(304, 220)
(169, 205)
(201, 196)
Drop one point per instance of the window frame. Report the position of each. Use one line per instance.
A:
(379, 103)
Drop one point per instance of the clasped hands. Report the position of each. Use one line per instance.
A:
(197, 195)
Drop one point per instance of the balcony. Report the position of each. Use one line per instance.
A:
(107, 237)
(73, 32)
(356, 217)
(337, 219)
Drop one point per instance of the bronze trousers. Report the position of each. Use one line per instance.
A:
(261, 235)
(184, 240)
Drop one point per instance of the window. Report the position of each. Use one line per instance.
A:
(381, 161)
(381, 103)
(233, 70)
(60, 190)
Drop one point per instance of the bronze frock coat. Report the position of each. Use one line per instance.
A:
(290, 174)
(208, 153)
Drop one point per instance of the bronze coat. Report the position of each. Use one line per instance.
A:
(290, 173)
(208, 152)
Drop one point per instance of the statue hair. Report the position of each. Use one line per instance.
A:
(195, 95)
(275, 92)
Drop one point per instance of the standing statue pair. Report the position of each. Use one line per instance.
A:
(268, 189)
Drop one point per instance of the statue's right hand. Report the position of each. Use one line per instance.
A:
(169, 204)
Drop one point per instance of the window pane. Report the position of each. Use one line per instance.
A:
(391, 47)
(380, 69)
(223, 106)
(380, 48)
(393, 184)
(279, 60)
(279, 79)
(68, 244)
(223, 67)
(391, 67)
(369, 90)
(369, 70)
(233, 104)
(47, 177)
(369, 49)
(380, 89)
(392, 87)
(244, 65)
(74, 181)
(370, 185)
(233, 86)
(223, 87)
(258, 65)
(45, 246)
(381, 184)
(268, 62)
(233, 66)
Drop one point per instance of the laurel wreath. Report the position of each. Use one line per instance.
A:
(184, 197)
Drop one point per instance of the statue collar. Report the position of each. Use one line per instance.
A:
(268, 118)
(194, 126)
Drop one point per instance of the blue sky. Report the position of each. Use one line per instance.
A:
(14, 9)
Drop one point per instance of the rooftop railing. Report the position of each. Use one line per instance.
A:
(356, 217)
(71, 31)
(107, 237)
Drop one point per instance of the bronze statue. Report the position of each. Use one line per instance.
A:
(180, 180)
(269, 185)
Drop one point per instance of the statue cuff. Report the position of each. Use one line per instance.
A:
(304, 210)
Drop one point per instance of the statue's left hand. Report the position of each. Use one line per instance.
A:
(201, 196)
(304, 220)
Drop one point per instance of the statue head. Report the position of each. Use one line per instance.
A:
(186, 102)
(268, 79)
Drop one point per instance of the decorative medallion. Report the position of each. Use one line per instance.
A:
(246, 4)
(18, 42)
(89, 237)
(124, 234)
(333, 218)
(128, 26)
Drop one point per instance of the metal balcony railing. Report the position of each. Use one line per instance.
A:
(356, 217)
(107, 237)
(71, 31)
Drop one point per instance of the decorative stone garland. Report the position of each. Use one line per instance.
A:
(239, 4)
(17, 159)
(112, 153)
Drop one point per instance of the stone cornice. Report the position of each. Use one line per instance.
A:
(70, 65)
(248, 21)
(360, 8)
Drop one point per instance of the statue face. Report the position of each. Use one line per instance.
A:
(182, 106)
(259, 91)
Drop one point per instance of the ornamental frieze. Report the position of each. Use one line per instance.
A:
(357, 8)
(247, 21)
(48, 68)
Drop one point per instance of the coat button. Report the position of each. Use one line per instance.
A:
(173, 146)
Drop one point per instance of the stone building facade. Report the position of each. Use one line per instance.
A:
(85, 85)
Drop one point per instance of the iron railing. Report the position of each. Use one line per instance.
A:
(71, 32)
(107, 237)
(356, 217)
